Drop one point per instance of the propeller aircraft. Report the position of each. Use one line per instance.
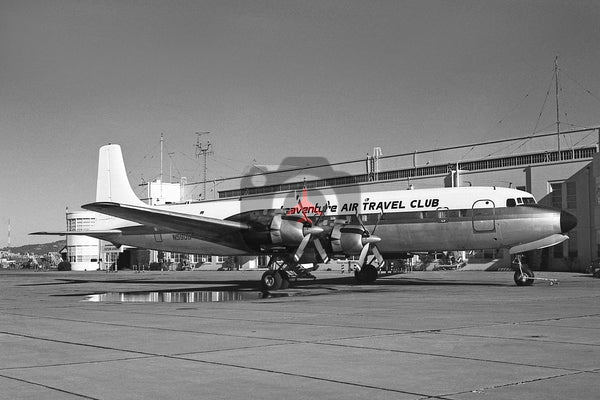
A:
(343, 222)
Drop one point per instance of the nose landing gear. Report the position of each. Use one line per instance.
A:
(525, 277)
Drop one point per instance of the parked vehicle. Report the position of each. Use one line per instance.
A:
(594, 268)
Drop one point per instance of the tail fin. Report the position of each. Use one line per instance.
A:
(113, 184)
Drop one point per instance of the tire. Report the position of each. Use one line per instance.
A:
(359, 276)
(271, 280)
(524, 279)
(367, 274)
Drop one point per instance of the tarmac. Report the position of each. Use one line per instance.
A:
(423, 335)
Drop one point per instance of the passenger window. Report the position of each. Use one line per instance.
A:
(519, 200)
(442, 215)
(511, 203)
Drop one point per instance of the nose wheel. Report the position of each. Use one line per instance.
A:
(525, 277)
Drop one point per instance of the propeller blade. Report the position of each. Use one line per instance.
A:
(363, 254)
(321, 251)
(300, 249)
(379, 218)
(366, 232)
(377, 254)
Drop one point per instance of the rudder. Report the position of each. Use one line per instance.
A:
(112, 183)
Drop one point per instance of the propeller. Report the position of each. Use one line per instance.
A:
(368, 240)
(310, 231)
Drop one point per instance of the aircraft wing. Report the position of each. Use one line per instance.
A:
(203, 228)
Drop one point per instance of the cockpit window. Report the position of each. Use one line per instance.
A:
(521, 201)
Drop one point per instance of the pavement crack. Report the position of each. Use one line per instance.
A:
(30, 382)
(312, 377)
(68, 364)
(511, 384)
(455, 357)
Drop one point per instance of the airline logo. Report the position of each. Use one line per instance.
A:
(303, 207)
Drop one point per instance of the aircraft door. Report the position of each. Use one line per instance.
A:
(484, 216)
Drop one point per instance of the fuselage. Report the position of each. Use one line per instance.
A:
(405, 220)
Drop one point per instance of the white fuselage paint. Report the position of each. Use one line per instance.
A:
(409, 220)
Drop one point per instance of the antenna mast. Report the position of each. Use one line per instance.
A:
(557, 110)
(204, 151)
(162, 140)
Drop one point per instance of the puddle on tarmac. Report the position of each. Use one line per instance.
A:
(182, 296)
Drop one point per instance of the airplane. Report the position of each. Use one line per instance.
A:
(341, 223)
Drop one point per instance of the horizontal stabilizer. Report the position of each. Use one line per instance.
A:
(539, 244)
(77, 233)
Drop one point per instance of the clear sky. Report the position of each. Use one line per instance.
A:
(270, 79)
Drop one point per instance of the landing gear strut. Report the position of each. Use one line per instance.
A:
(279, 273)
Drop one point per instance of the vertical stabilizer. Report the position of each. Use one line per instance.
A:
(113, 184)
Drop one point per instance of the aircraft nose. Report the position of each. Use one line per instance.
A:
(567, 221)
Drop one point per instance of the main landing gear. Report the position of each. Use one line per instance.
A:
(279, 272)
(283, 269)
(275, 280)
(367, 274)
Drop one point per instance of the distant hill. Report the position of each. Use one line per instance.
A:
(41, 248)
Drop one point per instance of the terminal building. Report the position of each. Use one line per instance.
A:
(566, 178)
(86, 253)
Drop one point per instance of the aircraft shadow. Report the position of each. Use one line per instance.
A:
(183, 285)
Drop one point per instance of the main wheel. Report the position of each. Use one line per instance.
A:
(524, 278)
(271, 280)
(367, 274)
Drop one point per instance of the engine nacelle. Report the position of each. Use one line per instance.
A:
(347, 239)
(286, 231)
